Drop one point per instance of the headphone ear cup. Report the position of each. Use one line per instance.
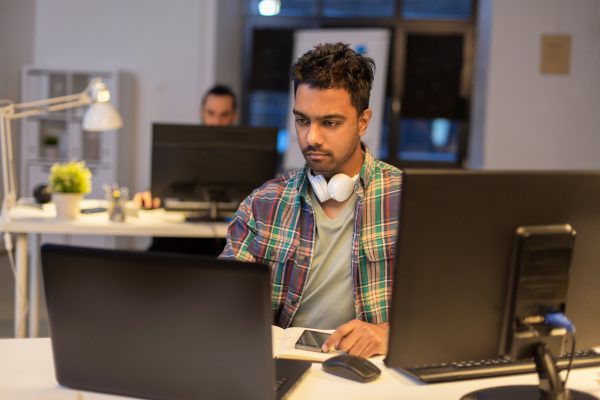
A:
(340, 187)
(319, 186)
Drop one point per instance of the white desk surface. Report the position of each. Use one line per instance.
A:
(27, 373)
(29, 219)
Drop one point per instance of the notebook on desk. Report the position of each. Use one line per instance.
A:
(162, 326)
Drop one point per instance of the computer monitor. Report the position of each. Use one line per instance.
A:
(210, 163)
(455, 249)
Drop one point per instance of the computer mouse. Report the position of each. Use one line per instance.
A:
(351, 367)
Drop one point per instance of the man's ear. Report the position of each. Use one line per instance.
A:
(363, 121)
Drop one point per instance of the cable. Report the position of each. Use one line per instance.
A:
(561, 320)
(570, 359)
(8, 244)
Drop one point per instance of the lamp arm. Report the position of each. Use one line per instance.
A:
(59, 107)
(46, 102)
(47, 106)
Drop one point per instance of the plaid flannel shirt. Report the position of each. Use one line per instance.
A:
(275, 225)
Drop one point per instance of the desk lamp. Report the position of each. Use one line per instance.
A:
(100, 116)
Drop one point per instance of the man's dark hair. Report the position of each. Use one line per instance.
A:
(220, 90)
(336, 66)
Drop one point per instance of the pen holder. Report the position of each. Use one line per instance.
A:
(116, 202)
(116, 210)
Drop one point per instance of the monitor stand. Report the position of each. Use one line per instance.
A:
(551, 387)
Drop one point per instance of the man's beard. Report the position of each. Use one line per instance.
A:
(323, 160)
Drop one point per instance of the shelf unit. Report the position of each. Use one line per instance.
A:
(98, 149)
(105, 153)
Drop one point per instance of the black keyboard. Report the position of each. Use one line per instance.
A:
(279, 381)
(457, 371)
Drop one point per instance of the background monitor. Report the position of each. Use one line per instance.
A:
(211, 163)
(455, 239)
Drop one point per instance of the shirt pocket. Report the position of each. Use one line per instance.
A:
(374, 278)
(379, 249)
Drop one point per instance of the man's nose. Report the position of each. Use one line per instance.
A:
(313, 136)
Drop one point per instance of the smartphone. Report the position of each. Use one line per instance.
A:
(312, 340)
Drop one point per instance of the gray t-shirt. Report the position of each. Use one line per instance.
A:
(328, 297)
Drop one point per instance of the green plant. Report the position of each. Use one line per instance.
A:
(70, 177)
(50, 140)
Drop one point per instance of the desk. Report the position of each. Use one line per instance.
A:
(27, 221)
(27, 373)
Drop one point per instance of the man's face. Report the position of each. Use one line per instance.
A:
(329, 130)
(218, 110)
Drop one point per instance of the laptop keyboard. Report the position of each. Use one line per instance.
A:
(495, 367)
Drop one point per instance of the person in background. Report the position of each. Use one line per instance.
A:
(330, 250)
(217, 108)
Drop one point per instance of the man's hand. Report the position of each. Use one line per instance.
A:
(359, 338)
(145, 200)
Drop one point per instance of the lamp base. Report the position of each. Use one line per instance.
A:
(522, 392)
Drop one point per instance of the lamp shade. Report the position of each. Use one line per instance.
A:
(101, 117)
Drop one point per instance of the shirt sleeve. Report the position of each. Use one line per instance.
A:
(240, 233)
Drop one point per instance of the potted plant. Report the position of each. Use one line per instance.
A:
(50, 146)
(69, 182)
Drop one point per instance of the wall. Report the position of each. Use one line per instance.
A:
(16, 42)
(228, 51)
(167, 46)
(521, 118)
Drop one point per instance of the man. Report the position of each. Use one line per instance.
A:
(218, 108)
(330, 260)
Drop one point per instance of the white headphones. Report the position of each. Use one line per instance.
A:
(339, 188)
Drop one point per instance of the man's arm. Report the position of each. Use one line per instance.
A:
(145, 200)
(359, 338)
(240, 234)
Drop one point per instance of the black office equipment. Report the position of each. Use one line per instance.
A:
(199, 167)
(474, 369)
(352, 367)
(538, 282)
(161, 326)
(452, 278)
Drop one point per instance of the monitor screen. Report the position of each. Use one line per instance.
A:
(211, 163)
(455, 241)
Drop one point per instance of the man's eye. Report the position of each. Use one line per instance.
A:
(330, 123)
(301, 121)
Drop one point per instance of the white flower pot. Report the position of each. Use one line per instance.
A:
(67, 205)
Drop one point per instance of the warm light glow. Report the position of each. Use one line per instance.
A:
(103, 96)
(269, 7)
(99, 91)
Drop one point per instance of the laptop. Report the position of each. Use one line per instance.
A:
(162, 326)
